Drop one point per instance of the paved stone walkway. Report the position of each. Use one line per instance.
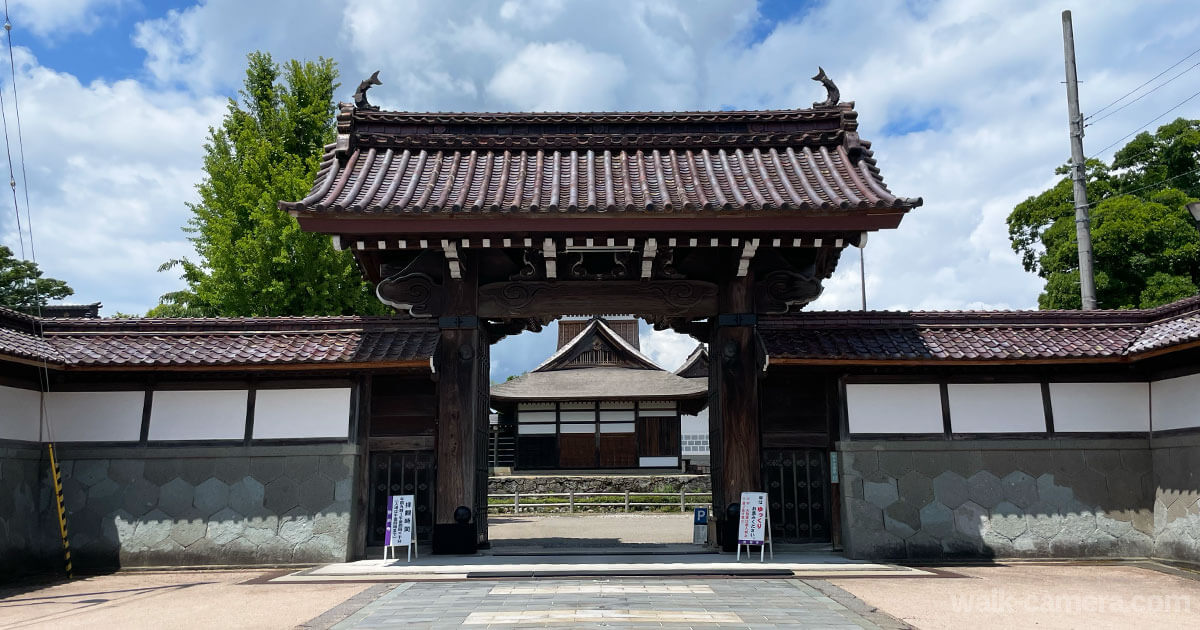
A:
(619, 603)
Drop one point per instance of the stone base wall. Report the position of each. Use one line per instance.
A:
(1177, 498)
(998, 498)
(599, 483)
(27, 543)
(130, 506)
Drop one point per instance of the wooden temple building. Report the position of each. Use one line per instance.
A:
(598, 403)
(891, 435)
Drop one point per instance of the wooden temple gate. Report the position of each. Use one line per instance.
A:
(493, 224)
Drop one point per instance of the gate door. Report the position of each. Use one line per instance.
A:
(798, 493)
(401, 472)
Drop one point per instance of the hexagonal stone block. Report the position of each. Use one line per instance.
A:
(862, 516)
(151, 529)
(225, 526)
(937, 520)
(342, 489)
(232, 469)
(90, 471)
(984, 489)
(175, 498)
(1007, 520)
(160, 471)
(261, 529)
(140, 497)
(295, 529)
(334, 467)
(1019, 489)
(187, 532)
(74, 495)
(300, 467)
(901, 519)
(1000, 463)
(266, 469)
(197, 470)
(1091, 487)
(315, 493)
(211, 496)
(1052, 494)
(1105, 462)
(124, 471)
(103, 490)
(915, 488)
(895, 464)
(281, 495)
(969, 520)
(246, 496)
(950, 489)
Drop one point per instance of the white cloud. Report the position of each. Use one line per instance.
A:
(56, 18)
(559, 76)
(667, 348)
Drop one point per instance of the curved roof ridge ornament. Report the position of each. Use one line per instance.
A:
(832, 94)
(360, 95)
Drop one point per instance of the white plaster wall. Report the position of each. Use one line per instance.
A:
(95, 416)
(20, 410)
(198, 415)
(1100, 406)
(302, 413)
(536, 416)
(906, 408)
(695, 424)
(997, 408)
(1175, 403)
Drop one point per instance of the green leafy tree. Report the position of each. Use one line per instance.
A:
(1145, 245)
(254, 258)
(22, 286)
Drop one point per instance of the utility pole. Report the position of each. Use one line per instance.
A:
(1083, 229)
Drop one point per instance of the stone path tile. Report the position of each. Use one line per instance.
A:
(625, 603)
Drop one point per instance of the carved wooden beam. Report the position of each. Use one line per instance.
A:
(417, 288)
(781, 289)
(674, 298)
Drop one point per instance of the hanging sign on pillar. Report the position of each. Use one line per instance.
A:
(398, 529)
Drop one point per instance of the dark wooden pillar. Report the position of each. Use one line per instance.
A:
(460, 365)
(733, 415)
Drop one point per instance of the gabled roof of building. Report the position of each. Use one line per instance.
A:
(623, 373)
(387, 163)
(985, 336)
(216, 342)
(595, 339)
(696, 365)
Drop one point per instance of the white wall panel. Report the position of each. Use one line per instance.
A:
(906, 408)
(536, 416)
(302, 413)
(536, 429)
(616, 416)
(20, 411)
(95, 416)
(657, 462)
(617, 427)
(1175, 403)
(577, 416)
(997, 408)
(578, 428)
(1100, 406)
(695, 424)
(218, 414)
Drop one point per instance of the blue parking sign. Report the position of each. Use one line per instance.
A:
(701, 516)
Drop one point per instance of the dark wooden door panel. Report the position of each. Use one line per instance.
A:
(618, 450)
(797, 494)
(658, 437)
(537, 451)
(577, 450)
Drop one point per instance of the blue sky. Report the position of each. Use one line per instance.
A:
(962, 100)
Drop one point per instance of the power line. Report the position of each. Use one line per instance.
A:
(1122, 138)
(1144, 95)
(12, 65)
(1139, 189)
(1149, 81)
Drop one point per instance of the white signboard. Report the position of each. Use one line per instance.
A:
(752, 522)
(398, 530)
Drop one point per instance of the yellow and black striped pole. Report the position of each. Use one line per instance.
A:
(56, 474)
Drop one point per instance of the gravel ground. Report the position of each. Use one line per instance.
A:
(1038, 596)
